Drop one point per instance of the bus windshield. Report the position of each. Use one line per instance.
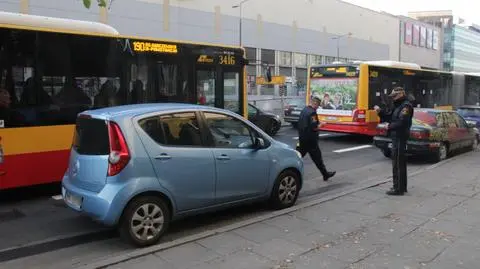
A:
(337, 86)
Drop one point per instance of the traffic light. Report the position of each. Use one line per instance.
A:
(267, 73)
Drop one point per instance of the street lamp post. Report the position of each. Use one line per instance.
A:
(338, 43)
(240, 6)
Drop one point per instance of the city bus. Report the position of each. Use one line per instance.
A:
(350, 91)
(52, 69)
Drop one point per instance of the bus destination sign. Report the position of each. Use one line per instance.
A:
(141, 46)
(333, 71)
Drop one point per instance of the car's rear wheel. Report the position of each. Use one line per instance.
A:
(144, 221)
(442, 152)
(286, 189)
(294, 125)
(273, 127)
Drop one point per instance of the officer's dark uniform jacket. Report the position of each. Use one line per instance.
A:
(307, 125)
(400, 119)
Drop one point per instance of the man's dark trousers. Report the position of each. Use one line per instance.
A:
(311, 147)
(399, 164)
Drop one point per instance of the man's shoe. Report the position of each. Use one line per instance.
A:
(392, 189)
(394, 192)
(329, 175)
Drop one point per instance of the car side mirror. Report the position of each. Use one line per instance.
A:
(259, 143)
(471, 125)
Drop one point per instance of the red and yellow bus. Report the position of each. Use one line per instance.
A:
(52, 69)
(350, 91)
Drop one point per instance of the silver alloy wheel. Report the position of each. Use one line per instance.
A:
(147, 221)
(287, 190)
(442, 152)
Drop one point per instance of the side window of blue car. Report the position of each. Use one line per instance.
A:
(228, 132)
(178, 129)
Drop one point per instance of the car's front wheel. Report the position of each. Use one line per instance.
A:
(387, 153)
(144, 221)
(286, 189)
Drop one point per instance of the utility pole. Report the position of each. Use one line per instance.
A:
(338, 43)
(240, 7)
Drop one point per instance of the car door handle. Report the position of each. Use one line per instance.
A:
(223, 157)
(163, 156)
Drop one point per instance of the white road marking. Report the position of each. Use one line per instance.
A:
(352, 148)
(320, 135)
(57, 197)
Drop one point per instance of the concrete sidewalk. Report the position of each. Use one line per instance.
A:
(436, 225)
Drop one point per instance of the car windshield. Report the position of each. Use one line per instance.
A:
(469, 112)
(425, 118)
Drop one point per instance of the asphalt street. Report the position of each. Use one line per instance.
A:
(41, 233)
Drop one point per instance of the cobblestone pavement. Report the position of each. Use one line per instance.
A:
(436, 225)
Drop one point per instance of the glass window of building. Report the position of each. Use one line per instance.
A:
(315, 59)
(285, 58)
(300, 60)
(285, 71)
(268, 56)
(330, 59)
(251, 55)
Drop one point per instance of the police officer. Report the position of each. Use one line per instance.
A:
(308, 125)
(399, 121)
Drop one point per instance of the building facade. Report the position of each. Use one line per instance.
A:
(421, 43)
(288, 35)
(461, 41)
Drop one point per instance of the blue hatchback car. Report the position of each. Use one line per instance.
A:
(139, 167)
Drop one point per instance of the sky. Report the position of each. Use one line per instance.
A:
(466, 9)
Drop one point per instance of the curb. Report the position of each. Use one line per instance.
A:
(156, 248)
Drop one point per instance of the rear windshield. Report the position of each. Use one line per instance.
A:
(91, 137)
(296, 102)
(425, 118)
(469, 112)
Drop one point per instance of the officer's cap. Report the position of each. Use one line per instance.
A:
(396, 91)
(316, 98)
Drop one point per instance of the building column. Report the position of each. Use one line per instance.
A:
(259, 68)
(166, 15)
(25, 6)
(103, 15)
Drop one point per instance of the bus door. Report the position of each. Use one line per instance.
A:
(206, 86)
(231, 86)
(3, 170)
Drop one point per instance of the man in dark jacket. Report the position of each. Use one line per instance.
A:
(308, 125)
(399, 121)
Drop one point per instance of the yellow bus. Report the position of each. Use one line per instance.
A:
(52, 69)
(350, 91)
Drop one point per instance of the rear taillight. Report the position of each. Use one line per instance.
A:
(119, 154)
(381, 131)
(420, 135)
(359, 115)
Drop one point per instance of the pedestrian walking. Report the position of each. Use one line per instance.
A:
(398, 123)
(308, 128)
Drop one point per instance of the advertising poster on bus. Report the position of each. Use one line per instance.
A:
(338, 95)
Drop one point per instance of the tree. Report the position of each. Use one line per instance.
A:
(101, 3)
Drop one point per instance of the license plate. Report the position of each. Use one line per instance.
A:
(74, 200)
(331, 118)
(296, 113)
(389, 145)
